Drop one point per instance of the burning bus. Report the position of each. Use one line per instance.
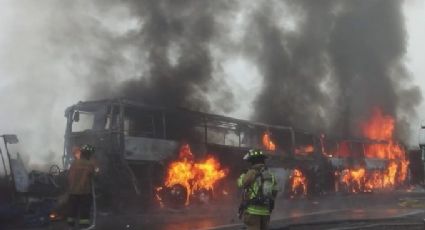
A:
(310, 170)
(174, 157)
(373, 163)
(138, 146)
(156, 153)
(356, 171)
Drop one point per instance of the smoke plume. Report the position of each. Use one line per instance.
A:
(319, 65)
(174, 43)
(342, 59)
(324, 64)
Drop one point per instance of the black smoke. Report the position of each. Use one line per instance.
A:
(343, 59)
(175, 44)
(293, 64)
(367, 47)
(325, 64)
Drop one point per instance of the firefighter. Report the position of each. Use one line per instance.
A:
(80, 177)
(259, 192)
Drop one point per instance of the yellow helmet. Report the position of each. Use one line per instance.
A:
(254, 153)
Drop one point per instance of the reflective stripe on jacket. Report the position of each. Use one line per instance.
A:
(249, 182)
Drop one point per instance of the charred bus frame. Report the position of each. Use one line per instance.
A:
(350, 154)
(135, 142)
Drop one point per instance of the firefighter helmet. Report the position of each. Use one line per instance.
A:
(254, 154)
(87, 149)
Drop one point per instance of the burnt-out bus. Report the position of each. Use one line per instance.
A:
(363, 165)
(135, 144)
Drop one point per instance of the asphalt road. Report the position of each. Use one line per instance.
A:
(314, 211)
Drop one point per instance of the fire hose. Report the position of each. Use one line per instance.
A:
(93, 192)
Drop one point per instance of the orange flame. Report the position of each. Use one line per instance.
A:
(193, 176)
(185, 153)
(298, 183)
(390, 177)
(180, 172)
(358, 175)
(381, 127)
(207, 174)
(374, 181)
(354, 179)
(403, 171)
(268, 143)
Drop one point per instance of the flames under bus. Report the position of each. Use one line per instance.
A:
(362, 165)
(135, 144)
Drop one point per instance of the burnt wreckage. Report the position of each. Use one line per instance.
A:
(135, 143)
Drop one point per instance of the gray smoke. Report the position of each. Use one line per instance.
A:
(321, 65)
(342, 59)
(293, 63)
(175, 43)
(325, 63)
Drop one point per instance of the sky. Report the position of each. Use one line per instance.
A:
(414, 12)
(39, 80)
